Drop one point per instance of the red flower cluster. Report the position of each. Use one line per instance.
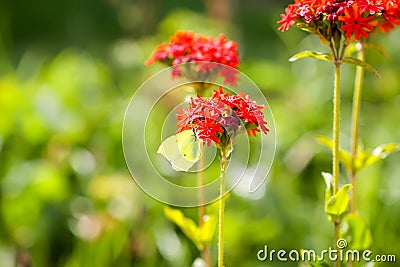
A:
(187, 46)
(221, 114)
(352, 17)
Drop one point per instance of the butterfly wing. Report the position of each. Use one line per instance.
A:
(189, 146)
(181, 150)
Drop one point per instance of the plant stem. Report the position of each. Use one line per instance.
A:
(221, 210)
(354, 123)
(206, 257)
(202, 211)
(200, 87)
(336, 128)
(336, 238)
(200, 177)
(336, 131)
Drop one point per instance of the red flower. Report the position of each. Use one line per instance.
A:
(350, 17)
(249, 111)
(187, 46)
(371, 7)
(391, 15)
(208, 130)
(386, 26)
(221, 114)
(355, 23)
(288, 19)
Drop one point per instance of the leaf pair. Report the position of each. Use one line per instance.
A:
(355, 47)
(363, 158)
(328, 57)
(336, 205)
(200, 235)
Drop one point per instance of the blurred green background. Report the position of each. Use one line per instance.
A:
(67, 72)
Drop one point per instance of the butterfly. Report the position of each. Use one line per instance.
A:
(182, 150)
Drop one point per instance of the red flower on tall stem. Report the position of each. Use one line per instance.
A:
(221, 114)
(353, 18)
(187, 46)
(288, 19)
(391, 15)
(355, 23)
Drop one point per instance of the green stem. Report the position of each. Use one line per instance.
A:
(336, 128)
(206, 257)
(200, 88)
(202, 211)
(336, 131)
(336, 238)
(355, 122)
(200, 178)
(221, 210)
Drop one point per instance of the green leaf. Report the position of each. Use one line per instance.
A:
(337, 204)
(329, 186)
(367, 158)
(305, 27)
(315, 264)
(379, 153)
(344, 156)
(355, 47)
(352, 48)
(318, 55)
(187, 225)
(355, 229)
(201, 236)
(363, 158)
(360, 63)
(207, 230)
(359, 160)
(328, 179)
(377, 47)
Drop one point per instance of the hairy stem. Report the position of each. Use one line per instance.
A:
(202, 210)
(355, 122)
(336, 238)
(200, 177)
(221, 210)
(200, 88)
(336, 131)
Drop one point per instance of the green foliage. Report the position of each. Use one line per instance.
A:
(336, 205)
(313, 54)
(367, 158)
(360, 63)
(66, 197)
(344, 156)
(354, 47)
(200, 235)
(356, 231)
(315, 264)
(378, 47)
(364, 158)
(328, 57)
